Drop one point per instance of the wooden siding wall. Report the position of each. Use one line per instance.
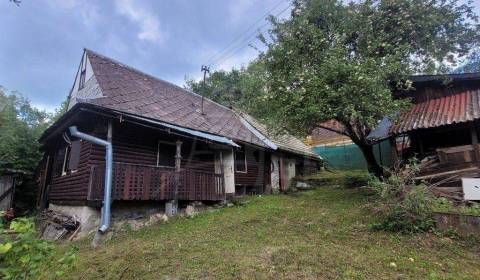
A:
(255, 169)
(131, 144)
(73, 186)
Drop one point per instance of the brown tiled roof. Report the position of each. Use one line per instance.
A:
(320, 133)
(440, 106)
(333, 125)
(132, 91)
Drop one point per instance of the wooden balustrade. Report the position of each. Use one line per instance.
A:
(142, 182)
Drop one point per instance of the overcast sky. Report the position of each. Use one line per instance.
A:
(41, 41)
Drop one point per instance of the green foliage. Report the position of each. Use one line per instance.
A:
(336, 60)
(23, 256)
(446, 206)
(402, 206)
(339, 60)
(20, 127)
(236, 88)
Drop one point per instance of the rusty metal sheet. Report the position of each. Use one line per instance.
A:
(457, 105)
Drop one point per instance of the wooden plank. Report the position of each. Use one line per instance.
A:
(126, 186)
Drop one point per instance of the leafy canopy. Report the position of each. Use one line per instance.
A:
(341, 61)
(20, 127)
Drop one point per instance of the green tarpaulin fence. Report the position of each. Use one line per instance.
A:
(349, 156)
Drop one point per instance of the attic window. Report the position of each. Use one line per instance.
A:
(81, 83)
(83, 71)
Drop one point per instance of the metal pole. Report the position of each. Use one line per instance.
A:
(205, 69)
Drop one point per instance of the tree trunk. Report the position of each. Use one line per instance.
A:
(373, 166)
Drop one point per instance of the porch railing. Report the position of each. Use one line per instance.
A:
(143, 182)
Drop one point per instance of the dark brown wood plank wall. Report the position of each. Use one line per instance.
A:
(255, 168)
(73, 186)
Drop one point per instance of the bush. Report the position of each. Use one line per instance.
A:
(400, 205)
(22, 255)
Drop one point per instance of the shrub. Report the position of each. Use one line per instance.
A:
(22, 255)
(401, 205)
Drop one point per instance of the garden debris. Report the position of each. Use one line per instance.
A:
(55, 225)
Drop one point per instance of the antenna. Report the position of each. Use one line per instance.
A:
(204, 69)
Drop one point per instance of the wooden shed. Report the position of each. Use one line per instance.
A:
(441, 128)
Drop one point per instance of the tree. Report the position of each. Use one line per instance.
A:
(235, 88)
(20, 127)
(471, 63)
(340, 61)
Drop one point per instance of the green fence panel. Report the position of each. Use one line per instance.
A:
(350, 157)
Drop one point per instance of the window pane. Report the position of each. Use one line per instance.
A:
(166, 154)
(74, 155)
(240, 164)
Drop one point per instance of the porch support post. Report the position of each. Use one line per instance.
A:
(473, 133)
(171, 207)
(178, 162)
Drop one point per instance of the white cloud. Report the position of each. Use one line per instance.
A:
(147, 22)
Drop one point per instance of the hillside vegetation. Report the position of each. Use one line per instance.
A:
(319, 234)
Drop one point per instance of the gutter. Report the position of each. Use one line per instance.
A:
(107, 200)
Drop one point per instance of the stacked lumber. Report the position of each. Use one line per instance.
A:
(55, 225)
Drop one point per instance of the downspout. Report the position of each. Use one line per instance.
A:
(107, 200)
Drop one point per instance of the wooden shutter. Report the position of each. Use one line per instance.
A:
(74, 155)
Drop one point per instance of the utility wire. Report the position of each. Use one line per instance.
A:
(219, 54)
(238, 47)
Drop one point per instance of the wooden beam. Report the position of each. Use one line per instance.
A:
(178, 162)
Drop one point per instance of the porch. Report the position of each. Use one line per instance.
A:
(147, 182)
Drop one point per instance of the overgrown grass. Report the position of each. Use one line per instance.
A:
(347, 178)
(319, 234)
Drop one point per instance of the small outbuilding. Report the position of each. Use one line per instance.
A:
(441, 128)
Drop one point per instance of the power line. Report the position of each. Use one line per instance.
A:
(243, 33)
(243, 43)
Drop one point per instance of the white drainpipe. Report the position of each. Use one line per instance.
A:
(107, 200)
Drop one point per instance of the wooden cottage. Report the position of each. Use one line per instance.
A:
(167, 142)
(442, 127)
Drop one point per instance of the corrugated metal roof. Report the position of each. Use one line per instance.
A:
(450, 105)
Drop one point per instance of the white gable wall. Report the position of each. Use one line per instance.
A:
(91, 90)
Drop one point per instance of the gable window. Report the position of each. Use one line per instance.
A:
(240, 160)
(83, 72)
(166, 154)
(81, 83)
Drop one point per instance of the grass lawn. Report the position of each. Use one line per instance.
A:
(319, 234)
